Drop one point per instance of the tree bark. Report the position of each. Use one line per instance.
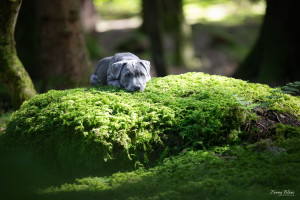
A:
(88, 15)
(27, 39)
(169, 18)
(274, 58)
(12, 73)
(174, 23)
(152, 24)
(62, 50)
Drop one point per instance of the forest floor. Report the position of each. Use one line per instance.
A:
(268, 169)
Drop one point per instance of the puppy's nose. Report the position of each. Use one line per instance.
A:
(136, 88)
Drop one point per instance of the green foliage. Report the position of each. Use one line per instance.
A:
(287, 131)
(292, 88)
(276, 99)
(98, 128)
(116, 9)
(223, 11)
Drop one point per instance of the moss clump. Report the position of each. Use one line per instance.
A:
(235, 172)
(99, 128)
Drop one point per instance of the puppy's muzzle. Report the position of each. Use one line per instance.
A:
(136, 88)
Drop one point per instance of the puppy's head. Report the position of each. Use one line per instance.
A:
(133, 74)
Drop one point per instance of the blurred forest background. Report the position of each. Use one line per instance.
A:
(60, 42)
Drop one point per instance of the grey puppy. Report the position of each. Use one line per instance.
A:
(124, 70)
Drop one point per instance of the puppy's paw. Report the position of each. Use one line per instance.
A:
(114, 83)
(94, 80)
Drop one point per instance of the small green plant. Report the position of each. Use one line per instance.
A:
(292, 88)
(274, 97)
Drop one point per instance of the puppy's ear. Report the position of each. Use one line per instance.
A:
(147, 66)
(115, 70)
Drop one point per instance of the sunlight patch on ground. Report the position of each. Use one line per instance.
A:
(107, 25)
(216, 13)
(194, 13)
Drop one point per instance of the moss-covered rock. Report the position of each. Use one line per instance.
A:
(108, 129)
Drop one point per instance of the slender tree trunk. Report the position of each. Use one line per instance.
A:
(12, 73)
(174, 23)
(274, 58)
(62, 51)
(88, 15)
(152, 25)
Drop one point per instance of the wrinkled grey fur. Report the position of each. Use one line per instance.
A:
(124, 70)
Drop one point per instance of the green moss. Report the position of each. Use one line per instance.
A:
(236, 172)
(99, 128)
(287, 131)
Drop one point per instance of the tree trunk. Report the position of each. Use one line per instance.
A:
(12, 73)
(62, 51)
(88, 15)
(175, 24)
(27, 39)
(275, 57)
(152, 25)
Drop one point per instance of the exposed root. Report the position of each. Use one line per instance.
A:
(266, 123)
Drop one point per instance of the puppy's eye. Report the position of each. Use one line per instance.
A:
(127, 75)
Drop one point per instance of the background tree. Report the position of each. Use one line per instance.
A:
(88, 15)
(274, 58)
(12, 73)
(62, 52)
(174, 23)
(167, 17)
(38, 51)
(26, 36)
(152, 15)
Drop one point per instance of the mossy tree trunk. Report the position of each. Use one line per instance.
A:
(274, 58)
(174, 23)
(12, 73)
(152, 15)
(62, 51)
